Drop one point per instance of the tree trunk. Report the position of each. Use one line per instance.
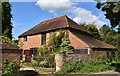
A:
(59, 61)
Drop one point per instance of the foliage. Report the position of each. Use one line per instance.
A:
(93, 30)
(71, 66)
(16, 41)
(116, 65)
(95, 65)
(60, 43)
(111, 37)
(55, 41)
(10, 68)
(8, 40)
(38, 59)
(112, 11)
(49, 62)
(45, 59)
(66, 46)
(43, 50)
(6, 20)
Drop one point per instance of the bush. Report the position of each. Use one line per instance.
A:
(94, 65)
(116, 65)
(44, 61)
(72, 66)
(48, 62)
(10, 68)
(97, 65)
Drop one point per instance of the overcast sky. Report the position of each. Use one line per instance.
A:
(28, 14)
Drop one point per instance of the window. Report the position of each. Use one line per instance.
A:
(25, 38)
(82, 50)
(43, 38)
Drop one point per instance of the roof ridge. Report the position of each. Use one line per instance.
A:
(66, 18)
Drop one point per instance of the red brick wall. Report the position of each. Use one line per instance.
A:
(32, 42)
(75, 41)
(11, 55)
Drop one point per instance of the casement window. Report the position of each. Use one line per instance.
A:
(81, 50)
(25, 38)
(43, 38)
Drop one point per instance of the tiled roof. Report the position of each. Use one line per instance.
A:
(54, 24)
(92, 42)
(65, 22)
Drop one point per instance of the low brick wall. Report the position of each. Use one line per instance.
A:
(11, 55)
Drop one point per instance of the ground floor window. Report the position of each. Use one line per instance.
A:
(81, 50)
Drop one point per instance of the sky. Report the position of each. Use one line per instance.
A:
(28, 14)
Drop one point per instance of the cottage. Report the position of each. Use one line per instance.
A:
(83, 42)
(10, 52)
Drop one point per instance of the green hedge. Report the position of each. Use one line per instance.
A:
(116, 65)
(77, 66)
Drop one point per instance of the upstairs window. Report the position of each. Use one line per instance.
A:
(25, 38)
(43, 38)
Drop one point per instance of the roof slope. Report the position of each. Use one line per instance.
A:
(54, 24)
(92, 41)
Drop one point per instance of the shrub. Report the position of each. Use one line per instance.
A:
(71, 66)
(116, 65)
(10, 68)
(48, 62)
(97, 65)
(94, 65)
(44, 61)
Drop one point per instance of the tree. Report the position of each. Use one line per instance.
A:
(66, 46)
(6, 20)
(108, 35)
(93, 30)
(112, 10)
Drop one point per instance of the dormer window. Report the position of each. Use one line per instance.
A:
(25, 38)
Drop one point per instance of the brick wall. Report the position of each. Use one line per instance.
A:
(32, 42)
(76, 42)
(71, 57)
(84, 57)
(11, 55)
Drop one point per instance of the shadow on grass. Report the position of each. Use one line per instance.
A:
(28, 73)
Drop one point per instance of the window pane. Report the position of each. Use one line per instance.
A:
(25, 38)
(43, 39)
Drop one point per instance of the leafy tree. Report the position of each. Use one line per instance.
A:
(93, 30)
(104, 30)
(66, 46)
(112, 11)
(60, 43)
(6, 20)
(108, 35)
